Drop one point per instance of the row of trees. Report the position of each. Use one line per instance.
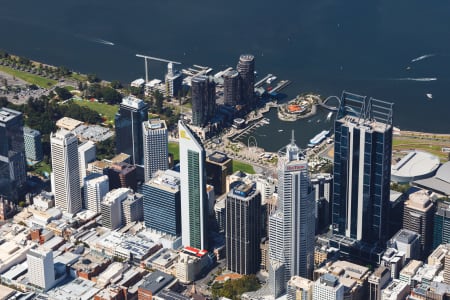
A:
(233, 289)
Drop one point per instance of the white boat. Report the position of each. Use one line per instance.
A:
(329, 115)
(430, 96)
(280, 130)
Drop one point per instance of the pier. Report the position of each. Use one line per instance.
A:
(262, 81)
(281, 85)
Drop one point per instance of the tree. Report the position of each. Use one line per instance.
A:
(116, 84)
(110, 95)
(106, 149)
(63, 93)
(158, 100)
(93, 78)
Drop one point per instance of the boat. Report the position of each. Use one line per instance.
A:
(318, 138)
(280, 130)
(309, 121)
(329, 115)
(430, 96)
(318, 121)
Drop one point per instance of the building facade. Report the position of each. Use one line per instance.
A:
(218, 167)
(33, 144)
(174, 81)
(162, 203)
(12, 152)
(441, 228)
(111, 208)
(362, 168)
(132, 208)
(231, 88)
(41, 271)
(128, 123)
(194, 202)
(203, 100)
(66, 174)
(86, 154)
(156, 152)
(96, 186)
(328, 287)
(246, 69)
(243, 229)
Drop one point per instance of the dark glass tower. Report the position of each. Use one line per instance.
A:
(203, 100)
(246, 69)
(128, 121)
(362, 168)
(12, 153)
(231, 88)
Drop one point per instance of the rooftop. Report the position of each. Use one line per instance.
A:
(78, 288)
(68, 123)
(415, 165)
(133, 102)
(7, 114)
(120, 193)
(218, 157)
(156, 281)
(31, 132)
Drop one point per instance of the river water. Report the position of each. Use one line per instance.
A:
(396, 51)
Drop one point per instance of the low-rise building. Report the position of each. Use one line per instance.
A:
(396, 290)
(191, 263)
(153, 283)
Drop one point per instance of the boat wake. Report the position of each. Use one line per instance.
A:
(423, 79)
(423, 57)
(104, 42)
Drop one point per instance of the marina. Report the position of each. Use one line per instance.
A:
(318, 138)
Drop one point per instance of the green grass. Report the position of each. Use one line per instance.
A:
(42, 167)
(28, 77)
(424, 144)
(78, 77)
(244, 167)
(104, 109)
(69, 88)
(174, 148)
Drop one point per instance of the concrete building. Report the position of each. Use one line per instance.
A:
(111, 208)
(194, 202)
(418, 216)
(153, 283)
(132, 208)
(203, 100)
(378, 281)
(415, 165)
(191, 263)
(299, 288)
(246, 70)
(408, 272)
(86, 154)
(44, 201)
(66, 174)
(128, 123)
(41, 272)
(328, 287)
(407, 242)
(396, 290)
(218, 167)
(156, 151)
(231, 88)
(363, 139)
(33, 144)
(12, 153)
(96, 186)
(80, 289)
(292, 226)
(162, 203)
(243, 229)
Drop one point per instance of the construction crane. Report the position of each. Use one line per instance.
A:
(145, 57)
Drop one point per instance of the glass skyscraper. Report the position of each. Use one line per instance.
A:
(128, 122)
(203, 100)
(362, 168)
(246, 69)
(12, 153)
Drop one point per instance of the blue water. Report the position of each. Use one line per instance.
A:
(323, 46)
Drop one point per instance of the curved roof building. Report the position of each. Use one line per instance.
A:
(440, 183)
(414, 166)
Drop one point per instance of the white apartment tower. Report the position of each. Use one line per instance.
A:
(96, 186)
(41, 270)
(111, 207)
(86, 154)
(66, 174)
(156, 151)
(194, 202)
(292, 225)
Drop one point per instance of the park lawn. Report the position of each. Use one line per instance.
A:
(78, 77)
(106, 110)
(174, 148)
(431, 146)
(42, 167)
(28, 77)
(244, 167)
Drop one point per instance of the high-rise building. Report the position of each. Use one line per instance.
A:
(243, 229)
(132, 208)
(203, 93)
(96, 186)
(328, 287)
(323, 185)
(218, 167)
(231, 88)
(86, 154)
(418, 217)
(194, 202)
(377, 281)
(33, 144)
(111, 208)
(162, 206)
(174, 81)
(12, 152)
(246, 69)
(441, 228)
(66, 174)
(41, 272)
(362, 168)
(292, 225)
(299, 288)
(128, 122)
(156, 153)
(122, 175)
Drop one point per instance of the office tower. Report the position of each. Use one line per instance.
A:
(299, 288)
(362, 168)
(111, 208)
(96, 186)
(156, 153)
(203, 95)
(174, 81)
(231, 88)
(12, 153)
(406, 242)
(66, 174)
(328, 287)
(323, 185)
(418, 216)
(246, 69)
(218, 167)
(377, 281)
(86, 154)
(162, 206)
(132, 208)
(194, 202)
(122, 175)
(243, 229)
(128, 122)
(41, 272)
(441, 228)
(292, 225)
(33, 144)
